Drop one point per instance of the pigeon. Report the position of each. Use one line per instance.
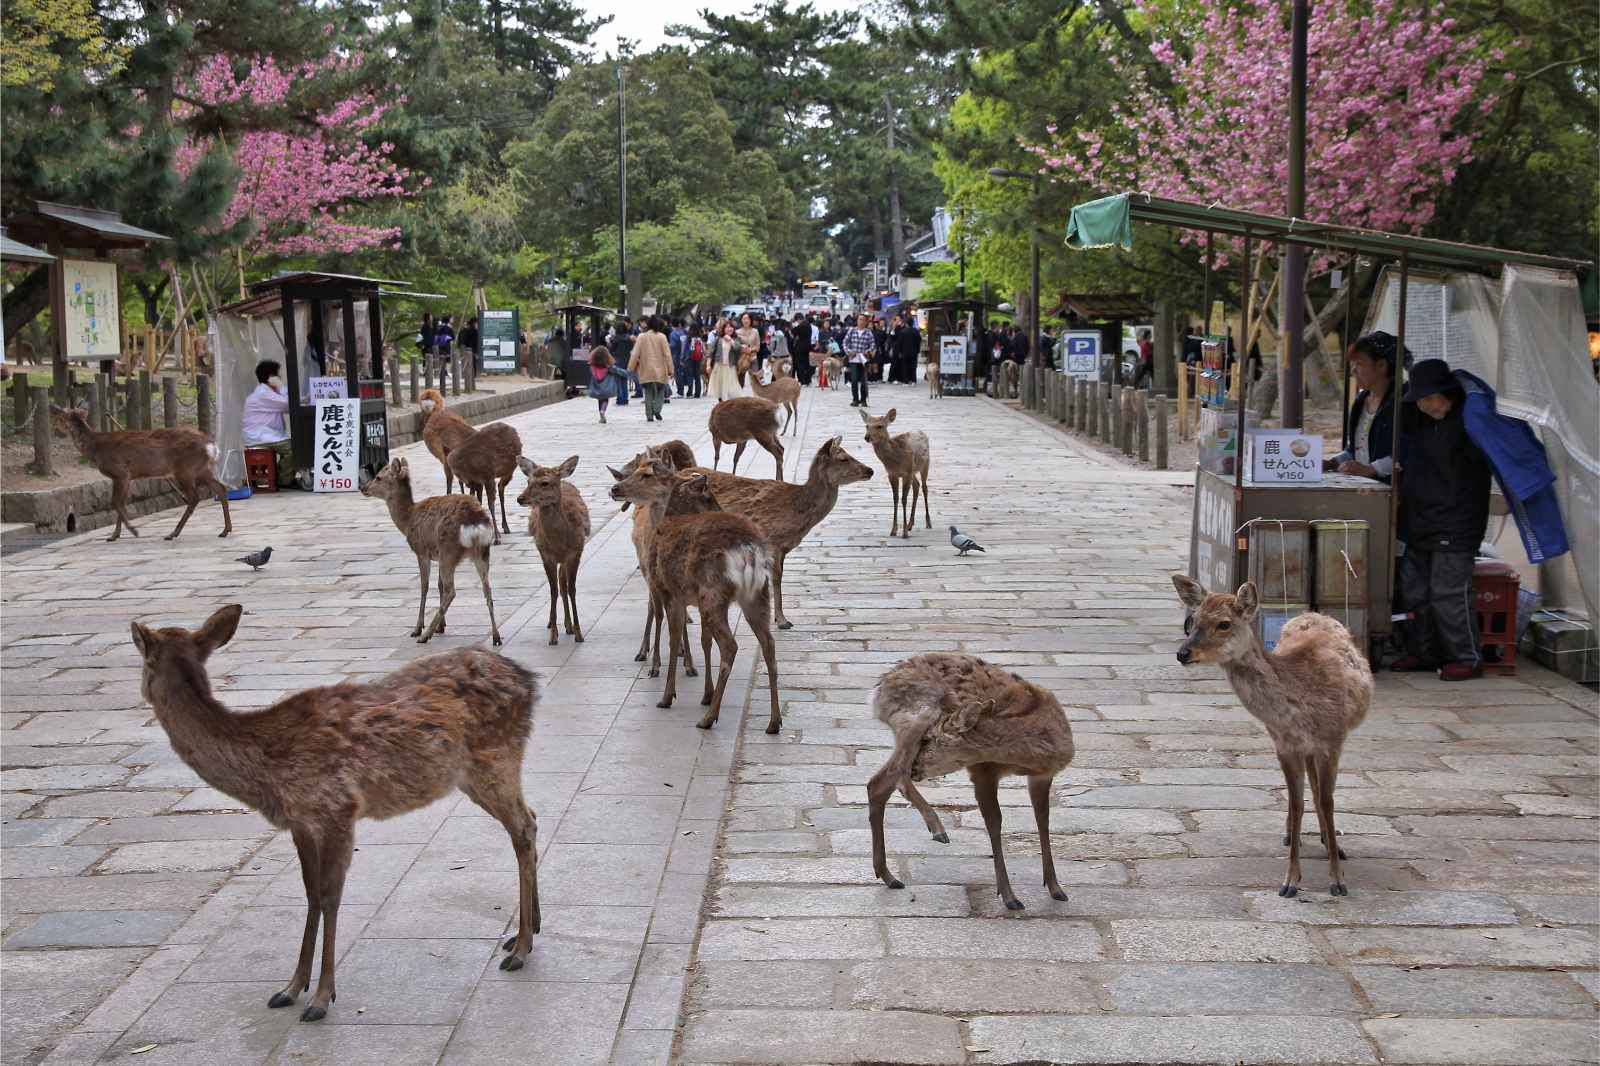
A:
(256, 560)
(964, 543)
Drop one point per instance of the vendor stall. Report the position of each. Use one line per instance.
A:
(945, 321)
(575, 369)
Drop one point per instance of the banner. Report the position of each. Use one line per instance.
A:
(335, 459)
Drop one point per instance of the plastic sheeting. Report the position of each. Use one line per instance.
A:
(240, 343)
(1525, 335)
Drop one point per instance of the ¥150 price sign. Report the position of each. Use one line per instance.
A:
(336, 456)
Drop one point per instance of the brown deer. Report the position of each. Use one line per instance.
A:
(443, 432)
(317, 761)
(185, 455)
(951, 712)
(443, 529)
(785, 513)
(485, 462)
(905, 459)
(709, 560)
(1310, 692)
(559, 522)
(785, 392)
(674, 454)
(741, 420)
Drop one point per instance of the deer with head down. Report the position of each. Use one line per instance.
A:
(443, 432)
(1310, 692)
(485, 463)
(743, 419)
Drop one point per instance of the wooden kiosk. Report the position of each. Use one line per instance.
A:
(943, 319)
(575, 368)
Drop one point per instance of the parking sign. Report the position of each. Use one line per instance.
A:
(1082, 349)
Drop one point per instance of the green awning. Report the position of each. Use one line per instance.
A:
(1101, 223)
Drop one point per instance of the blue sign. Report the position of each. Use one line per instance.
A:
(1082, 353)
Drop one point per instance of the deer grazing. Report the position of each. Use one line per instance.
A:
(1309, 692)
(317, 761)
(785, 513)
(951, 712)
(785, 392)
(441, 529)
(905, 460)
(709, 560)
(443, 432)
(485, 462)
(741, 420)
(185, 455)
(559, 522)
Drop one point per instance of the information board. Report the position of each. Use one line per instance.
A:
(93, 324)
(1082, 353)
(953, 355)
(497, 341)
(335, 459)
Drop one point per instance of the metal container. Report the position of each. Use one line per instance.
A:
(1341, 563)
(1280, 554)
(1272, 617)
(1354, 619)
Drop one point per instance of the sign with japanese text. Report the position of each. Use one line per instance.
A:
(497, 341)
(327, 388)
(1294, 458)
(1081, 350)
(953, 355)
(335, 459)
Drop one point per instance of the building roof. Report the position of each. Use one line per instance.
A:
(266, 296)
(1101, 307)
(81, 226)
(16, 252)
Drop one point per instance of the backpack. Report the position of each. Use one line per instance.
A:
(697, 349)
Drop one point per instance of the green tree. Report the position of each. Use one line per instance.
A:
(702, 255)
(38, 36)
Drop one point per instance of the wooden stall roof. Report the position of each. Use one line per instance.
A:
(266, 296)
(80, 227)
(16, 252)
(583, 309)
(1101, 307)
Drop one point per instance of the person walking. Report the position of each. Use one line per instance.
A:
(652, 358)
(603, 380)
(694, 355)
(907, 346)
(749, 345)
(858, 347)
(801, 348)
(468, 339)
(778, 345)
(1147, 360)
(724, 357)
(678, 345)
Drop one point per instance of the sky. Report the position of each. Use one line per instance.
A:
(645, 20)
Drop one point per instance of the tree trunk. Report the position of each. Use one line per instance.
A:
(26, 300)
(151, 294)
(897, 230)
(1320, 377)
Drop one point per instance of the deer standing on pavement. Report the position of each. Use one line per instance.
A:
(905, 459)
(785, 392)
(1310, 692)
(443, 529)
(317, 761)
(443, 432)
(741, 420)
(951, 712)
(486, 462)
(709, 560)
(185, 455)
(559, 522)
(785, 513)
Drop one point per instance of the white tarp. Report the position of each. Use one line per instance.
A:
(240, 343)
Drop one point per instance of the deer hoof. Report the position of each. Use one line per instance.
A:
(1286, 840)
(689, 671)
(705, 723)
(1289, 891)
(1014, 905)
(1058, 895)
(1342, 855)
(511, 962)
(577, 636)
(496, 640)
(1338, 889)
(553, 640)
(773, 728)
(417, 632)
(224, 533)
(314, 1013)
(654, 671)
(510, 943)
(639, 658)
(942, 837)
(664, 703)
(891, 882)
(281, 999)
(170, 536)
(785, 624)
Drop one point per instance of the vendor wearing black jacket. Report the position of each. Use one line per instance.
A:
(1444, 512)
(1371, 421)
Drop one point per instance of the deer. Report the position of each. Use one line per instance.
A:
(951, 712)
(785, 392)
(443, 432)
(559, 523)
(784, 512)
(673, 452)
(317, 761)
(905, 459)
(1310, 692)
(741, 420)
(185, 455)
(711, 560)
(443, 529)
(484, 462)
(935, 379)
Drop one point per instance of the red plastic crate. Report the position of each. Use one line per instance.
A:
(1494, 599)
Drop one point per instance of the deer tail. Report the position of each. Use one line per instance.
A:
(479, 535)
(748, 566)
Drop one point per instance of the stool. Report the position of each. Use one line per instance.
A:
(261, 469)
(1494, 600)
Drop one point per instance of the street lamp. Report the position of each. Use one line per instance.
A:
(622, 200)
(1033, 241)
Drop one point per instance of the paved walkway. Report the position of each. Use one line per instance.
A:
(143, 909)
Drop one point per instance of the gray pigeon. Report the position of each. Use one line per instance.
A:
(963, 543)
(256, 560)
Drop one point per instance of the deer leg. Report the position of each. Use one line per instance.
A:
(879, 788)
(775, 448)
(1313, 769)
(551, 574)
(447, 595)
(480, 562)
(716, 452)
(220, 491)
(1324, 770)
(681, 617)
(659, 614)
(502, 798)
(310, 873)
(894, 506)
(986, 783)
(119, 501)
(644, 641)
(926, 517)
(737, 452)
(572, 601)
(488, 491)
(756, 615)
(930, 817)
(191, 497)
(706, 631)
(504, 522)
(715, 616)
(423, 564)
(1039, 793)
(909, 516)
(1294, 773)
(677, 636)
(336, 849)
(777, 590)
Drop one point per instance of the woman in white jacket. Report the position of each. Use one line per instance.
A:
(724, 356)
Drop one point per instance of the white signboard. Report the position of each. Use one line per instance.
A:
(1082, 351)
(336, 459)
(1289, 457)
(328, 388)
(93, 324)
(953, 355)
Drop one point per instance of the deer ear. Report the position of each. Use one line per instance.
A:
(143, 639)
(1190, 591)
(615, 473)
(864, 416)
(525, 465)
(889, 415)
(569, 466)
(1247, 599)
(218, 629)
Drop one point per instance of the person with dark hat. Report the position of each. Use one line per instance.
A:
(1444, 513)
(1371, 420)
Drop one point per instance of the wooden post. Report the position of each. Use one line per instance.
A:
(19, 400)
(391, 366)
(146, 401)
(1094, 409)
(415, 374)
(1114, 408)
(130, 408)
(93, 396)
(1161, 432)
(455, 373)
(102, 402)
(149, 352)
(202, 404)
(427, 371)
(1141, 406)
(1183, 401)
(169, 402)
(1126, 411)
(1081, 400)
(41, 431)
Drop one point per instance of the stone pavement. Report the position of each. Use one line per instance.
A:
(684, 923)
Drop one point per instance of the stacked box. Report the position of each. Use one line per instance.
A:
(1354, 619)
(1280, 557)
(1272, 617)
(1341, 563)
(1565, 645)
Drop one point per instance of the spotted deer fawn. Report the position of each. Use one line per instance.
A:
(485, 463)
(559, 522)
(710, 560)
(443, 432)
(905, 459)
(185, 455)
(1310, 692)
(951, 712)
(316, 762)
(743, 419)
(442, 529)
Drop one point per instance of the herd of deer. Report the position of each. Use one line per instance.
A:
(316, 762)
